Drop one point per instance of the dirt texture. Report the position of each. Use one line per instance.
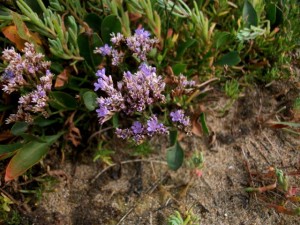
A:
(144, 191)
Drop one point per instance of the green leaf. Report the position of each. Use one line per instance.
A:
(179, 68)
(9, 148)
(19, 128)
(203, 124)
(43, 122)
(110, 24)
(31, 137)
(222, 38)
(279, 17)
(62, 101)
(184, 46)
(173, 137)
(249, 14)
(34, 6)
(89, 99)
(175, 156)
(27, 156)
(271, 13)
(87, 45)
(115, 120)
(94, 21)
(229, 59)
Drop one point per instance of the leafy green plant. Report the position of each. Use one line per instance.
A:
(5, 202)
(178, 219)
(84, 73)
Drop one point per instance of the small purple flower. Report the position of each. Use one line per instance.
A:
(137, 128)
(102, 112)
(32, 72)
(178, 116)
(117, 57)
(116, 39)
(8, 74)
(104, 82)
(140, 43)
(143, 33)
(154, 127)
(105, 50)
(123, 133)
(147, 70)
(100, 73)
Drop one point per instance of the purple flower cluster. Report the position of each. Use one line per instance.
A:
(183, 85)
(178, 116)
(140, 44)
(33, 102)
(142, 88)
(136, 92)
(180, 120)
(133, 94)
(138, 131)
(24, 73)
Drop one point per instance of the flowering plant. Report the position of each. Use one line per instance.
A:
(137, 93)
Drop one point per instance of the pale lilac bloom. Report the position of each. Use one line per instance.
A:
(141, 43)
(104, 83)
(105, 50)
(142, 33)
(26, 72)
(117, 57)
(142, 88)
(123, 133)
(154, 127)
(109, 106)
(178, 116)
(139, 132)
(116, 39)
(137, 127)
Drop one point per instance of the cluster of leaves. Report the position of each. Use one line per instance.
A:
(235, 42)
(177, 219)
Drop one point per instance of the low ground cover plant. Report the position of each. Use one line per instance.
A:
(132, 70)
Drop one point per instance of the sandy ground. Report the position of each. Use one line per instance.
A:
(147, 192)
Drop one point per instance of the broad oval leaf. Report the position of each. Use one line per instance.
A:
(62, 101)
(249, 14)
(175, 156)
(19, 128)
(87, 45)
(179, 68)
(89, 99)
(110, 24)
(94, 21)
(9, 148)
(229, 59)
(27, 156)
(222, 38)
(173, 135)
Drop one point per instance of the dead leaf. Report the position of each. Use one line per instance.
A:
(73, 134)
(196, 126)
(5, 135)
(62, 79)
(11, 33)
